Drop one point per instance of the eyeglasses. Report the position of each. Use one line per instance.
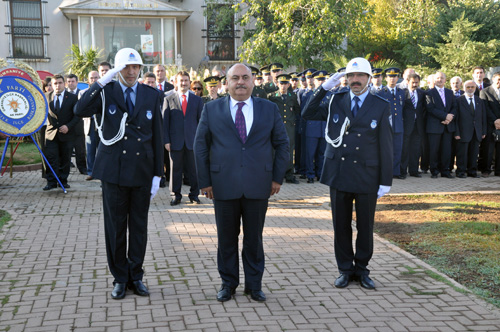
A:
(197, 88)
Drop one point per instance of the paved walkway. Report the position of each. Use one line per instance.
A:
(53, 273)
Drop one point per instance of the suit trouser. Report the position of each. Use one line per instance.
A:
(397, 143)
(58, 154)
(467, 156)
(92, 141)
(411, 152)
(80, 155)
(349, 262)
(125, 207)
(177, 160)
(315, 156)
(252, 213)
(437, 143)
(424, 152)
(298, 150)
(290, 131)
(303, 148)
(487, 149)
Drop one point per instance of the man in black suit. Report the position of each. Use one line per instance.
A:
(456, 86)
(60, 132)
(181, 114)
(161, 79)
(414, 126)
(490, 96)
(242, 153)
(440, 126)
(129, 163)
(79, 139)
(471, 130)
(478, 75)
(358, 164)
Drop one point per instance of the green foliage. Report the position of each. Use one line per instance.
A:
(81, 63)
(460, 52)
(297, 32)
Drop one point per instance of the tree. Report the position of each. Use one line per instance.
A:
(460, 52)
(297, 32)
(81, 63)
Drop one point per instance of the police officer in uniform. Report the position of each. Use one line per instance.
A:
(258, 90)
(358, 165)
(289, 110)
(129, 162)
(396, 98)
(211, 83)
(303, 97)
(376, 84)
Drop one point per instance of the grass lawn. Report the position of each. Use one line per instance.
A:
(457, 234)
(26, 153)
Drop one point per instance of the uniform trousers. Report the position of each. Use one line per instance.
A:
(228, 216)
(348, 261)
(397, 143)
(92, 141)
(125, 207)
(58, 154)
(290, 131)
(315, 156)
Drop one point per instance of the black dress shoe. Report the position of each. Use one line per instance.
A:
(119, 291)
(485, 174)
(473, 175)
(163, 182)
(310, 180)
(303, 176)
(225, 293)
(434, 176)
(342, 281)
(292, 180)
(138, 288)
(175, 201)
(49, 186)
(195, 199)
(447, 175)
(66, 186)
(461, 176)
(401, 177)
(256, 294)
(366, 282)
(418, 175)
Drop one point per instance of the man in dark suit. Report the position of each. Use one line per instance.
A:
(478, 75)
(181, 114)
(358, 164)
(440, 126)
(129, 163)
(489, 147)
(456, 86)
(161, 79)
(470, 131)
(414, 126)
(60, 132)
(242, 153)
(79, 135)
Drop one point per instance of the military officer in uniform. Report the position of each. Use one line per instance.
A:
(211, 82)
(289, 110)
(358, 165)
(266, 74)
(276, 69)
(258, 90)
(224, 87)
(129, 162)
(376, 84)
(396, 98)
(294, 82)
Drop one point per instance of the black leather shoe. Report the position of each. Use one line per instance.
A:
(342, 281)
(434, 176)
(225, 293)
(66, 185)
(49, 186)
(310, 180)
(473, 175)
(366, 282)
(461, 176)
(138, 288)
(163, 182)
(119, 291)
(401, 177)
(302, 176)
(418, 175)
(175, 201)
(256, 294)
(292, 180)
(447, 175)
(195, 199)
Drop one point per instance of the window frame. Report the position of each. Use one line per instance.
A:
(230, 39)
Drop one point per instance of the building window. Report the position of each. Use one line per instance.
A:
(26, 28)
(220, 31)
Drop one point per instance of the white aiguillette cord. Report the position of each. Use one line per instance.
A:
(121, 131)
(336, 142)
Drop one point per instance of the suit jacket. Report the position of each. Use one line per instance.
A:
(478, 92)
(179, 130)
(168, 86)
(138, 156)
(64, 116)
(363, 161)
(235, 169)
(414, 115)
(468, 120)
(492, 104)
(459, 91)
(437, 112)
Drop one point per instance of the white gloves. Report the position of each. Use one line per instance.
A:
(382, 190)
(155, 186)
(108, 77)
(333, 81)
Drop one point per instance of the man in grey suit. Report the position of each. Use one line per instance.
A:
(241, 152)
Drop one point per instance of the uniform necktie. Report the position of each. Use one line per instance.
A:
(239, 121)
(355, 109)
(441, 93)
(394, 92)
(413, 100)
(58, 104)
(471, 104)
(184, 104)
(128, 101)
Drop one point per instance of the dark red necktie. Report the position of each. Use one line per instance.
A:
(161, 89)
(184, 104)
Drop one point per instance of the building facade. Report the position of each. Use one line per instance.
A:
(170, 32)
